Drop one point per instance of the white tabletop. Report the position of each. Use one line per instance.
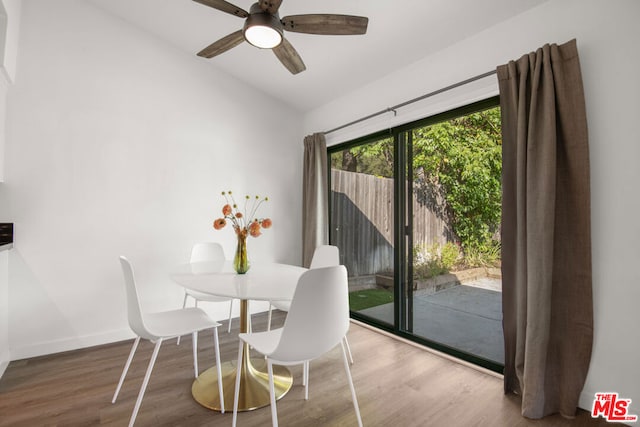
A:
(263, 281)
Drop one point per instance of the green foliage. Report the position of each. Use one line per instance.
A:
(457, 167)
(449, 255)
(374, 158)
(428, 269)
(485, 256)
(436, 260)
(461, 159)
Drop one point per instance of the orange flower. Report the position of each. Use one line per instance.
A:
(244, 222)
(219, 223)
(254, 229)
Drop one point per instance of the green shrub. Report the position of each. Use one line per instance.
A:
(435, 260)
(487, 255)
(449, 255)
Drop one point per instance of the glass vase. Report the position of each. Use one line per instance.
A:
(241, 260)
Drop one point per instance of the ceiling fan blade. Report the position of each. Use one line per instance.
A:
(224, 6)
(289, 57)
(270, 6)
(326, 24)
(222, 45)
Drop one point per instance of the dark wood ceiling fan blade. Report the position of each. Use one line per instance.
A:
(326, 24)
(222, 45)
(224, 6)
(289, 57)
(270, 6)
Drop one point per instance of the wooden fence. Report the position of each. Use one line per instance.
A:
(362, 222)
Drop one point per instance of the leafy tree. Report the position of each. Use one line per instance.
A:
(457, 168)
(459, 164)
(373, 159)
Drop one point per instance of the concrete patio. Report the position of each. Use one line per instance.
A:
(467, 317)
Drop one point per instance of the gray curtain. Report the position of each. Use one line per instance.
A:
(546, 230)
(315, 195)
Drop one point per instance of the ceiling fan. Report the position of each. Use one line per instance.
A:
(264, 28)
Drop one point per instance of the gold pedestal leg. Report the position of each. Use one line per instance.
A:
(254, 380)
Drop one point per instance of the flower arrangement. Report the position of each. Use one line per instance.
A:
(244, 224)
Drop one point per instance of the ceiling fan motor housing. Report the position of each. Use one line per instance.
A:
(262, 18)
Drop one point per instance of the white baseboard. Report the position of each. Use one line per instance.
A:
(19, 352)
(67, 344)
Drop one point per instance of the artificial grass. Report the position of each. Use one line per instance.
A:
(359, 300)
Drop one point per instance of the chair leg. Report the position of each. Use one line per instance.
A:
(216, 344)
(305, 379)
(269, 318)
(346, 344)
(350, 380)
(230, 310)
(236, 393)
(304, 373)
(184, 304)
(184, 301)
(152, 361)
(126, 368)
(195, 352)
(272, 394)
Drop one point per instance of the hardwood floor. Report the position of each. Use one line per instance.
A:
(397, 384)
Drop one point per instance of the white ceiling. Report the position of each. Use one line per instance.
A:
(400, 32)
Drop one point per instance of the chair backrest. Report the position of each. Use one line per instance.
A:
(134, 311)
(207, 251)
(319, 315)
(325, 256)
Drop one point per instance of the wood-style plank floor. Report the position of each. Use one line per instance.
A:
(397, 385)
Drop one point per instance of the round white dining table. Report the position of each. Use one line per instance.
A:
(263, 282)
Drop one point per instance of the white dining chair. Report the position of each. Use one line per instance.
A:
(317, 321)
(207, 252)
(157, 327)
(323, 256)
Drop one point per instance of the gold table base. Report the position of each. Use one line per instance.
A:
(254, 385)
(254, 379)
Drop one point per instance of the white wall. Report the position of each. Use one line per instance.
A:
(9, 29)
(119, 144)
(607, 35)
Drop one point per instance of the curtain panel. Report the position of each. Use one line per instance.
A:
(315, 196)
(546, 230)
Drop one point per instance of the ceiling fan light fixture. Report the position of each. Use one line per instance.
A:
(263, 30)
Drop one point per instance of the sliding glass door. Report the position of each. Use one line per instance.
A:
(362, 223)
(415, 212)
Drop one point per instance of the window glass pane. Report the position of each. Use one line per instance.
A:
(456, 169)
(362, 200)
(446, 199)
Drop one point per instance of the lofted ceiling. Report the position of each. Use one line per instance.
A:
(399, 33)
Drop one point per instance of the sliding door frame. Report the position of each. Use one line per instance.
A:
(403, 213)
